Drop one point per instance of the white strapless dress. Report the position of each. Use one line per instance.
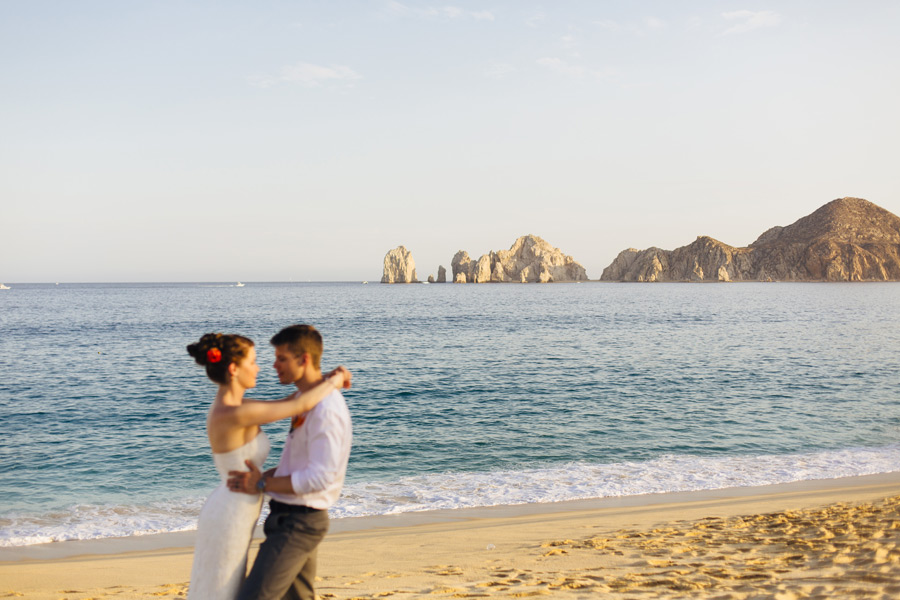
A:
(225, 528)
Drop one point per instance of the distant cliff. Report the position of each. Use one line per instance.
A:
(848, 239)
(529, 259)
(399, 266)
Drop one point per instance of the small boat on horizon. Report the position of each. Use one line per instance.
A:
(4, 287)
(239, 284)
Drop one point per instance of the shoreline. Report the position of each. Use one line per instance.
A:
(587, 545)
(185, 539)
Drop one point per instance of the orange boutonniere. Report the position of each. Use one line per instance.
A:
(297, 421)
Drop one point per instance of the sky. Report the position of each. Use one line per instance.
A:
(301, 140)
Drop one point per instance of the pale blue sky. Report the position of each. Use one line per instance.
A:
(185, 141)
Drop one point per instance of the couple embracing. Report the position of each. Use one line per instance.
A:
(306, 482)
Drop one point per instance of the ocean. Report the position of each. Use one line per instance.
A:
(464, 395)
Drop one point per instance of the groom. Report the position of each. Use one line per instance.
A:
(306, 482)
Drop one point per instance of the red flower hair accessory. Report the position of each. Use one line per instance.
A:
(213, 355)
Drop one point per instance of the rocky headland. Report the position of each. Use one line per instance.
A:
(529, 260)
(399, 266)
(848, 239)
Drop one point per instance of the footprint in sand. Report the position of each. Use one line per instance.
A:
(442, 590)
(493, 584)
(178, 590)
(661, 563)
(575, 584)
(559, 543)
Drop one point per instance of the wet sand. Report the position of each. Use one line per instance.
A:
(831, 539)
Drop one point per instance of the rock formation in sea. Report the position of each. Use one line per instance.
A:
(461, 266)
(399, 266)
(442, 274)
(430, 279)
(848, 239)
(529, 259)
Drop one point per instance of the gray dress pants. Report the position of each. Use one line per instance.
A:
(285, 568)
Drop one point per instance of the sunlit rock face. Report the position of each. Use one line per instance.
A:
(399, 266)
(529, 260)
(848, 239)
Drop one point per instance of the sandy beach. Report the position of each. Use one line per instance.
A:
(822, 539)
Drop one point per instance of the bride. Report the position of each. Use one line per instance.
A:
(227, 519)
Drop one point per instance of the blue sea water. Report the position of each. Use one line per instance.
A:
(464, 395)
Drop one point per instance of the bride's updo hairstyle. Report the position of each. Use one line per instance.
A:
(216, 351)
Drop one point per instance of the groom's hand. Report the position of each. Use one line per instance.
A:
(244, 481)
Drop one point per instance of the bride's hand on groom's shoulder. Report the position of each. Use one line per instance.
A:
(344, 374)
(245, 481)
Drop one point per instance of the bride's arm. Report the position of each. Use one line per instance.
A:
(258, 412)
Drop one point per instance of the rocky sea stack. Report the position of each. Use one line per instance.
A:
(529, 260)
(399, 266)
(848, 239)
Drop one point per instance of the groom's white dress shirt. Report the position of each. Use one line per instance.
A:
(316, 454)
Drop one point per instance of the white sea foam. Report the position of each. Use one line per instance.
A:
(574, 481)
(86, 522)
(578, 481)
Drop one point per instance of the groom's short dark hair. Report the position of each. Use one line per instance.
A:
(300, 340)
